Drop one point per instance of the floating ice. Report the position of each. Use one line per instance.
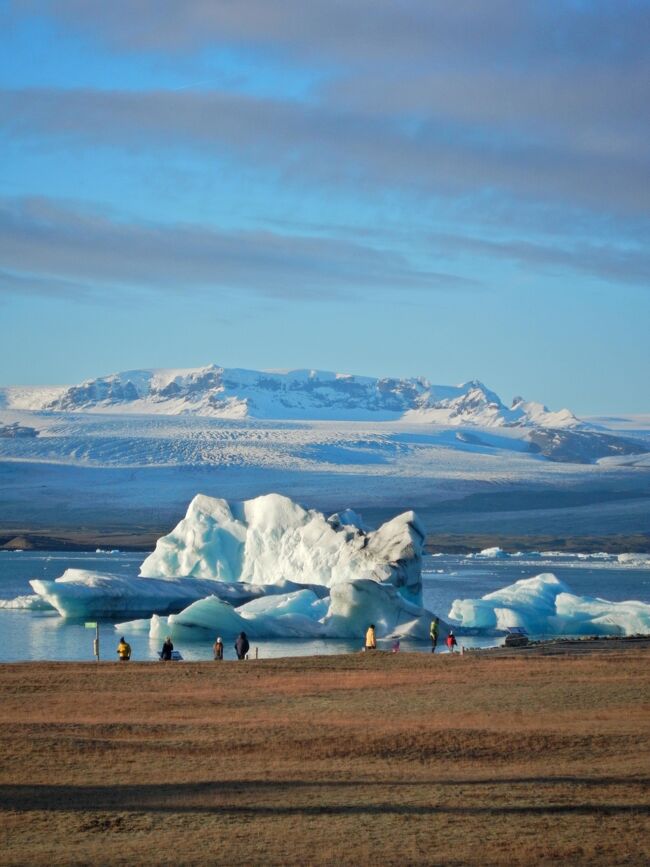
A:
(493, 554)
(639, 561)
(79, 593)
(271, 539)
(346, 613)
(265, 566)
(355, 604)
(544, 605)
(27, 603)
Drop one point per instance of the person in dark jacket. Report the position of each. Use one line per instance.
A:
(242, 646)
(166, 652)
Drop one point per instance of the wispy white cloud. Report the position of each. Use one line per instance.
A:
(50, 247)
(321, 144)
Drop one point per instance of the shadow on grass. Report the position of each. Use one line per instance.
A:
(215, 797)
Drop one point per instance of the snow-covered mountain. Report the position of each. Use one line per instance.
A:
(233, 393)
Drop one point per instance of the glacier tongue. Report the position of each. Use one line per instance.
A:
(544, 605)
(271, 538)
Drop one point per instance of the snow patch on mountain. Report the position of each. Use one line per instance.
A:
(235, 393)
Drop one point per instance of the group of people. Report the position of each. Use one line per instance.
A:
(434, 630)
(242, 645)
(166, 654)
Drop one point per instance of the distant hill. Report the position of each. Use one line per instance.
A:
(233, 393)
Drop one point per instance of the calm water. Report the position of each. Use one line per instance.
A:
(44, 635)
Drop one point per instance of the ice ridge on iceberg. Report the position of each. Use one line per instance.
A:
(544, 605)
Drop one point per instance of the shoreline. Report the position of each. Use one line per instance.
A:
(560, 646)
(65, 539)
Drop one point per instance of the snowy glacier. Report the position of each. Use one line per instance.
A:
(237, 393)
(544, 605)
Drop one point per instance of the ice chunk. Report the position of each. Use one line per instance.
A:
(347, 613)
(204, 616)
(490, 554)
(79, 593)
(143, 625)
(639, 561)
(356, 604)
(264, 566)
(27, 603)
(544, 605)
(271, 539)
(303, 602)
(294, 615)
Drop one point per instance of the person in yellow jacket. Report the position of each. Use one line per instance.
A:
(371, 641)
(124, 650)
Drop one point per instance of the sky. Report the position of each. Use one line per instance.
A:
(450, 190)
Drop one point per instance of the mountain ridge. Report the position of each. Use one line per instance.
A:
(302, 394)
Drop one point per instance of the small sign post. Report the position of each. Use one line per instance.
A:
(94, 625)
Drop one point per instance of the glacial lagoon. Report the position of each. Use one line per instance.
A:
(42, 635)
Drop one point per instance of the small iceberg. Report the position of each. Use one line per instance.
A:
(544, 605)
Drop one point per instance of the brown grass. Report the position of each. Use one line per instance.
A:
(389, 759)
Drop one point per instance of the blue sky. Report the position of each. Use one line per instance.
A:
(446, 190)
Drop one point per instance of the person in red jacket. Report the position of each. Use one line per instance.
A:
(451, 641)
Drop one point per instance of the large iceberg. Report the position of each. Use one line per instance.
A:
(544, 605)
(271, 538)
(266, 566)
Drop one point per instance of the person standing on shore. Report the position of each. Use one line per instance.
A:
(371, 641)
(218, 649)
(433, 633)
(451, 641)
(166, 652)
(242, 646)
(124, 650)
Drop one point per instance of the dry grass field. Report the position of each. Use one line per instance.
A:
(366, 759)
